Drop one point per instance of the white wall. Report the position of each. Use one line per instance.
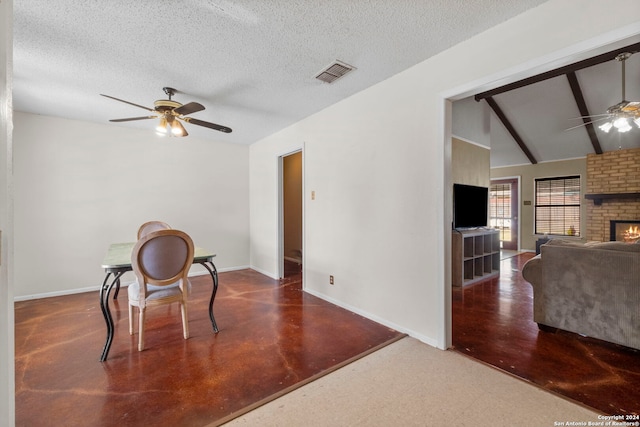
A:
(472, 121)
(376, 162)
(80, 186)
(7, 379)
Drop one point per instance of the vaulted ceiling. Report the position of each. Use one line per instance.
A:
(538, 119)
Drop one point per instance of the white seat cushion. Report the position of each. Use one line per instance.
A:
(155, 292)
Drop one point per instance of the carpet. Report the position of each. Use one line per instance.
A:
(409, 383)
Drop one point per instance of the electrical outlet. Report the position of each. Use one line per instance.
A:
(331, 280)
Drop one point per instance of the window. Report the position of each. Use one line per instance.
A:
(557, 209)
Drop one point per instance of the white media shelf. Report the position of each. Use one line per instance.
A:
(475, 256)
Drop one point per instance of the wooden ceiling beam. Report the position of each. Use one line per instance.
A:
(559, 71)
(507, 124)
(584, 111)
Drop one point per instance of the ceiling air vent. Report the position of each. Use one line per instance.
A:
(334, 71)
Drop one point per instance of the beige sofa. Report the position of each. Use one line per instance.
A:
(591, 289)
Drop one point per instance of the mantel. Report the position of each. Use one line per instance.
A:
(599, 197)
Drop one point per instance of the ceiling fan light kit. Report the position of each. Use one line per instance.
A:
(625, 112)
(162, 126)
(171, 113)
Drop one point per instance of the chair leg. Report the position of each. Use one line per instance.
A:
(130, 319)
(185, 320)
(141, 330)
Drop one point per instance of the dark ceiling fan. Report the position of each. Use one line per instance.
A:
(171, 113)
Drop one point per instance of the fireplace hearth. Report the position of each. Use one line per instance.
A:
(625, 231)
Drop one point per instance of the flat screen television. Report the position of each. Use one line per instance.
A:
(470, 206)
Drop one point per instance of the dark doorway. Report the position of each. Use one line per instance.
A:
(292, 213)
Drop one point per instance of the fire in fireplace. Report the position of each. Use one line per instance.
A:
(625, 231)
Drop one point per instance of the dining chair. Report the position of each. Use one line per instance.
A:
(150, 226)
(160, 261)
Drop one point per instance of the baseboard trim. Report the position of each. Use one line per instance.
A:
(62, 293)
(123, 284)
(420, 337)
(266, 273)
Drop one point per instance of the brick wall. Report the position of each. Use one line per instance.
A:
(612, 172)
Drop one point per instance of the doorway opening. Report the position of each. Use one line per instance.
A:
(291, 215)
(504, 211)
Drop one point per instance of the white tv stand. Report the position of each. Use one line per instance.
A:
(475, 256)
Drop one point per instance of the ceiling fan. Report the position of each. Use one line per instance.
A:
(171, 113)
(621, 114)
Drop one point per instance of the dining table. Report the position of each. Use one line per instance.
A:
(117, 261)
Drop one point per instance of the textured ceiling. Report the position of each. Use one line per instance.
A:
(250, 63)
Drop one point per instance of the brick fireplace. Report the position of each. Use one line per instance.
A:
(613, 191)
(625, 231)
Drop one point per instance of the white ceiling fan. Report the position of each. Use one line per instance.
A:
(622, 114)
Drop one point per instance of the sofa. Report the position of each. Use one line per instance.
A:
(591, 289)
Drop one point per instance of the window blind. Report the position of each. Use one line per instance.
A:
(557, 206)
(500, 209)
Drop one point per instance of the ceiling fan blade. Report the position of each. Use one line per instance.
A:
(207, 124)
(588, 123)
(130, 103)
(189, 108)
(134, 118)
(592, 115)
